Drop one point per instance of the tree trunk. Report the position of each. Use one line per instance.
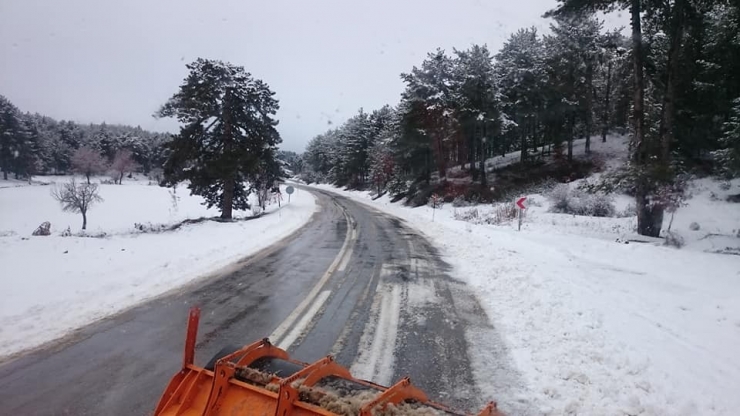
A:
(605, 118)
(649, 217)
(589, 105)
(228, 199)
(441, 158)
(638, 115)
(483, 158)
(571, 132)
(84, 220)
(666, 122)
(471, 155)
(5, 174)
(87, 175)
(570, 149)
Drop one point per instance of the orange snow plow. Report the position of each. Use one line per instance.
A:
(261, 379)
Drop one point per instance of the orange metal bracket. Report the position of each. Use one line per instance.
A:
(259, 350)
(313, 373)
(399, 392)
(490, 410)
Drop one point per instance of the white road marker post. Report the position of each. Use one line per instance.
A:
(435, 201)
(522, 207)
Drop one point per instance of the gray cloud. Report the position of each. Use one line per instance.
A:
(117, 61)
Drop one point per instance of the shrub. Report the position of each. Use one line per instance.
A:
(460, 201)
(471, 215)
(149, 227)
(565, 200)
(673, 239)
(629, 211)
(502, 213)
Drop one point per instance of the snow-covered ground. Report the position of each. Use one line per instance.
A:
(51, 285)
(596, 326)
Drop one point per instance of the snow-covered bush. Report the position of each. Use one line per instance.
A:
(149, 227)
(256, 210)
(156, 175)
(560, 199)
(470, 215)
(398, 185)
(460, 201)
(502, 213)
(599, 205)
(673, 239)
(576, 201)
(629, 211)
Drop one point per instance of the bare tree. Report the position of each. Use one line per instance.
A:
(88, 162)
(77, 197)
(123, 162)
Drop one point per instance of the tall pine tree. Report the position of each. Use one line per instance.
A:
(227, 135)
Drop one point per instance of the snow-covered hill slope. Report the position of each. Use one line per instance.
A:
(51, 285)
(597, 326)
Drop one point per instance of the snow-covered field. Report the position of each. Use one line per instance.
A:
(51, 285)
(596, 326)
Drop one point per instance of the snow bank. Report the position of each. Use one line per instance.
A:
(596, 326)
(53, 284)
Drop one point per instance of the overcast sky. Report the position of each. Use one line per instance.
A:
(118, 61)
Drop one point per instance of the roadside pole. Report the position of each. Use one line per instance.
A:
(522, 207)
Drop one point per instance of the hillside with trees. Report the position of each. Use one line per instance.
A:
(672, 85)
(33, 144)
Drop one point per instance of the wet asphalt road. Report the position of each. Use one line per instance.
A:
(389, 309)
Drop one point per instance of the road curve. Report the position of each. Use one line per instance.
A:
(353, 282)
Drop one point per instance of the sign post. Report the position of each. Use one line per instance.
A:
(435, 202)
(289, 190)
(522, 207)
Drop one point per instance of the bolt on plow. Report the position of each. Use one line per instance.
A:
(262, 379)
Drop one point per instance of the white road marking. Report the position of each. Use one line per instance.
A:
(377, 344)
(303, 323)
(277, 335)
(345, 260)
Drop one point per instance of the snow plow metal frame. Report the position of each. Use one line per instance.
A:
(198, 391)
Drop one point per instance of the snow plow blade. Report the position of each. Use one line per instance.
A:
(261, 379)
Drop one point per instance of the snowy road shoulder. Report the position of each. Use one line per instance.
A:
(52, 285)
(594, 326)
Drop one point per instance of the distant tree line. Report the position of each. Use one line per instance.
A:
(33, 144)
(672, 85)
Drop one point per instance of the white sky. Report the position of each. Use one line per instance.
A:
(118, 61)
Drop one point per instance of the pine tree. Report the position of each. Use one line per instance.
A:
(429, 92)
(729, 156)
(649, 216)
(228, 133)
(476, 103)
(520, 74)
(9, 131)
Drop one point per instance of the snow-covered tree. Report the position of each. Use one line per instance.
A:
(123, 162)
(227, 132)
(429, 93)
(477, 107)
(9, 128)
(520, 75)
(729, 155)
(88, 162)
